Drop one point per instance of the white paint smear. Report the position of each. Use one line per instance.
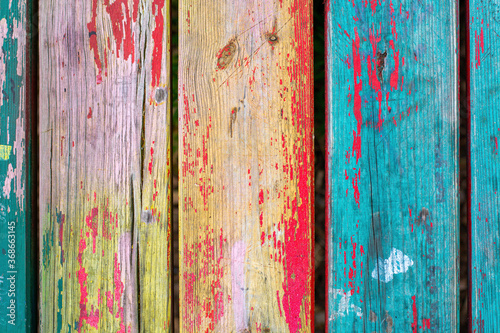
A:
(397, 263)
(344, 306)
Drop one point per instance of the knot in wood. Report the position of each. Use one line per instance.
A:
(272, 38)
(380, 64)
(226, 55)
(160, 95)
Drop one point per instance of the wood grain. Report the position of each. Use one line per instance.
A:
(16, 274)
(392, 199)
(104, 166)
(246, 166)
(484, 267)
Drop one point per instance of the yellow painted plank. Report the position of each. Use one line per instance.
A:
(104, 166)
(246, 166)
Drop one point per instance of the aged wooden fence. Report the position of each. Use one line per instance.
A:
(393, 166)
(86, 227)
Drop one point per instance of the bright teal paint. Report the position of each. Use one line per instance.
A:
(484, 63)
(14, 189)
(392, 166)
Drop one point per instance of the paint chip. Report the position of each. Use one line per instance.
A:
(397, 263)
(5, 152)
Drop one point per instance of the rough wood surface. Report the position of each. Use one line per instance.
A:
(393, 170)
(484, 265)
(15, 211)
(246, 166)
(104, 166)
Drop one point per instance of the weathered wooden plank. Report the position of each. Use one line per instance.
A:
(104, 166)
(392, 166)
(484, 266)
(246, 166)
(16, 273)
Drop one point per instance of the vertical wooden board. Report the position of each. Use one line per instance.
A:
(246, 166)
(15, 270)
(392, 166)
(484, 273)
(104, 166)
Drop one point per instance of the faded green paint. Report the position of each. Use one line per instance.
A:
(15, 289)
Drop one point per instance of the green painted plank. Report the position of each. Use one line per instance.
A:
(484, 266)
(392, 166)
(16, 302)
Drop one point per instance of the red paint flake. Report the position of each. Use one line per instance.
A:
(358, 86)
(373, 4)
(352, 274)
(395, 73)
(355, 187)
(210, 268)
(89, 115)
(91, 220)
(107, 222)
(92, 28)
(135, 9)
(158, 42)
(93, 318)
(426, 323)
(150, 167)
(121, 24)
(415, 316)
(372, 74)
(118, 293)
(479, 42)
(261, 197)
(109, 301)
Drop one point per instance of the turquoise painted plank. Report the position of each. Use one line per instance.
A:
(392, 222)
(15, 265)
(484, 66)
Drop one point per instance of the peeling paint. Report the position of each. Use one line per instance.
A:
(5, 152)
